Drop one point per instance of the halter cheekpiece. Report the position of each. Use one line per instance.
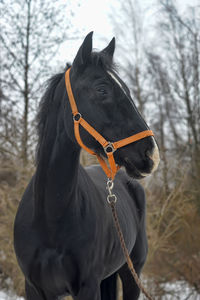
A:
(109, 147)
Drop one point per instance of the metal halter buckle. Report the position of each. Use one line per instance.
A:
(77, 117)
(109, 148)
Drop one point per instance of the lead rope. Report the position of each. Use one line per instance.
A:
(112, 199)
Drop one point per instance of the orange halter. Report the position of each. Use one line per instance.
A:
(109, 147)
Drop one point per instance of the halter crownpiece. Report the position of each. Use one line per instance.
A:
(109, 147)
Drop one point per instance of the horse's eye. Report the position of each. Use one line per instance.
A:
(102, 91)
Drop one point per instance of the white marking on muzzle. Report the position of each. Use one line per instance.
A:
(155, 157)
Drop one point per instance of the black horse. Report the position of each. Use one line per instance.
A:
(64, 235)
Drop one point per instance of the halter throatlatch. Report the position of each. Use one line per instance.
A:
(109, 147)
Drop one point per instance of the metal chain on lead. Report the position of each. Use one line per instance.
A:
(112, 199)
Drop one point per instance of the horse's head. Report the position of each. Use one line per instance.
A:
(104, 101)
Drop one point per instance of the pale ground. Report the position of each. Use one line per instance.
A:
(183, 293)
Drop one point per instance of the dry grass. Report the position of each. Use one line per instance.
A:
(173, 231)
(9, 200)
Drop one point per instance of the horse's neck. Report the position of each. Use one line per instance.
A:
(62, 176)
(59, 190)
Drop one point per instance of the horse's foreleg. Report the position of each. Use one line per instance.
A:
(33, 293)
(89, 290)
(130, 288)
(138, 255)
(109, 288)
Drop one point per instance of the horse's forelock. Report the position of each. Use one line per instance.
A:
(103, 60)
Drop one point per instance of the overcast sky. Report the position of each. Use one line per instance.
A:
(95, 15)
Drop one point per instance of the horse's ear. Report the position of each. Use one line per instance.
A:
(110, 49)
(84, 53)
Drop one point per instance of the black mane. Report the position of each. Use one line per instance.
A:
(46, 104)
(46, 128)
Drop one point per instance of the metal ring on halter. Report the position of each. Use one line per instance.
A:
(112, 198)
(77, 117)
(109, 148)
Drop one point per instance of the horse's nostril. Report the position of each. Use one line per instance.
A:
(148, 153)
(126, 160)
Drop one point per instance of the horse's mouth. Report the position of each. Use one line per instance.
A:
(131, 169)
(133, 172)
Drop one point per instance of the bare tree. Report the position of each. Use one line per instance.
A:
(128, 24)
(31, 34)
(174, 85)
(181, 44)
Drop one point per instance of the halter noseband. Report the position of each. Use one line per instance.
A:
(109, 147)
